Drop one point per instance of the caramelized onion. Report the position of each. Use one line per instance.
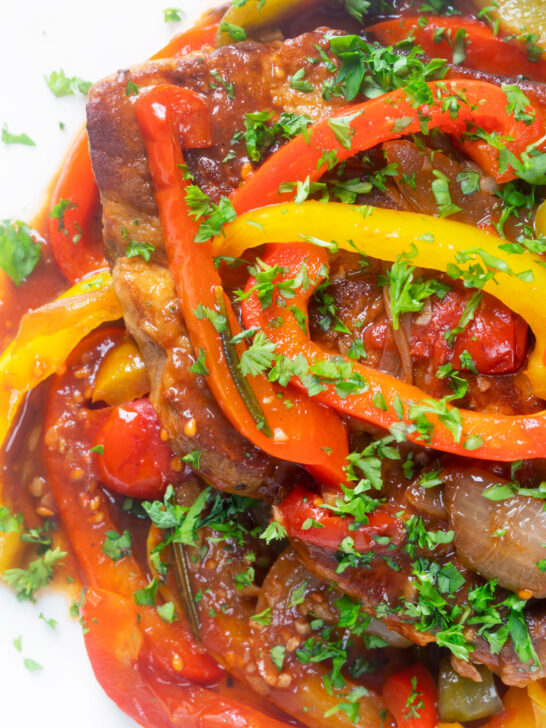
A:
(500, 540)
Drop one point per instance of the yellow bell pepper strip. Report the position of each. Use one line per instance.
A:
(372, 395)
(537, 694)
(255, 14)
(453, 106)
(45, 338)
(122, 376)
(517, 713)
(306, 432)
(386, 234)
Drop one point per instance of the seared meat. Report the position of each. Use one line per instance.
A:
(184, 403)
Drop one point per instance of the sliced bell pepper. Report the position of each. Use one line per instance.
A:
(122, 376)
(70, 432)
(304, 516)
(537, 694)
(117, 648)
(411, 697)
(501, 437)
(482, 48)
(255, 14)
(361, 126)
(46, 337)
(307, 432)
(200, 36)
(517, 713)
(75, 232)
(386, 234)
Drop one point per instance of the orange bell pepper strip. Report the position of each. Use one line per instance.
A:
(200, 36)
(362, 126)
(487, 436)
(72, 474)
(301, 505)
(117, 650)
(76, 239)
(483, 49)
(307, 433)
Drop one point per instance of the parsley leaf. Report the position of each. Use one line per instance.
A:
(136, 247)
(117, 546)
(234, 31)
(440, 190)
(173, 15)
(62, 85)
(19, 253)
(146, 597)
(258, 357)
(342, 129)
(38, 574)
(9, 138)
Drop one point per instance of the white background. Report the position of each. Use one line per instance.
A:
(88, 39)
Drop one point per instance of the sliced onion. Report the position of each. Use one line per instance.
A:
(510, 558)
(393, 639)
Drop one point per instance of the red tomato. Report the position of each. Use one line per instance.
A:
(496, 338)
(136, 461)
(410, 695)
(304, 517)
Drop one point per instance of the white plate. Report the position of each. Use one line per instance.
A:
(89, 40)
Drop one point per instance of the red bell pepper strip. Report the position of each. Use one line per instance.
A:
(479, 104)
(70, 432)
(412, 696)
(75, 234)
(135, 461)
(483, 50)
(76, 239)
(117, 651)
(502, 437)
(304, 516)
(307, 432)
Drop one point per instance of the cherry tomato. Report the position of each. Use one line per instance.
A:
(304, 517)
(496, 337)
(410, 695)
(136, 461)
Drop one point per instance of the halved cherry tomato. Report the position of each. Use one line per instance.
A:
(136, 461)
(411, 697)
(304, 516)
(496, 337)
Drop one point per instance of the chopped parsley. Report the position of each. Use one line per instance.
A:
(235, 32)
(9, 138)
(173, 15)
(19, 252)
(62, 85)
(116, 545)
(26, 582)
(136, 247)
